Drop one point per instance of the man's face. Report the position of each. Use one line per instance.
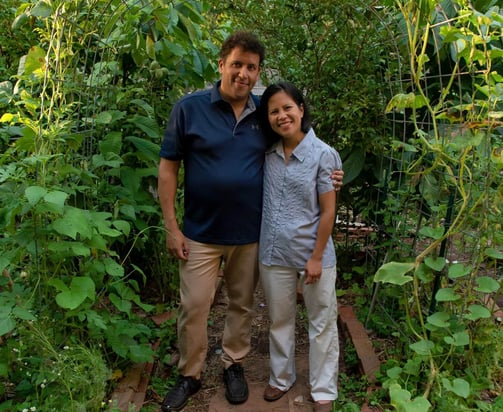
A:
(240, 71)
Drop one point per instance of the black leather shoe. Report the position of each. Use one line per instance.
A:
(235, 383)
(179, 395)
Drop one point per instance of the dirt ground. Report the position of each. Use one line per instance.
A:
(256, 363)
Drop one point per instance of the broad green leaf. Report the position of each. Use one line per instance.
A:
(439, 319)
(394, 273)
(477, 312)
(41, 9)
(149, 110)
(57, 199)
(150, 47)
(58, 284)
(80, 289)
(113, 268)
(110, 116)
(34, 194)
(123, 226)
(406, 101)
(436, 263)
(35, 61)
(95, 319)
(147, 125)
(486, 284)
(131, 179)
(458, 339)
(429, 188)
(22, 313)
(446, 295)
(123, 305)
(111, 160)
(424, 273)
(394, 373)
(467, 139)
(353, 165)
(493, 253)
(148, 149)
(458, 270)
(79, 249)
(398, 145)
(432, 232)
(68, 248)
(422, 347)
(112, 143)
(401, 400)
(128, 211)
(413, 366)
(75, 221)
(459, 386)
(7, 324)
(108, 231)
(141, 353)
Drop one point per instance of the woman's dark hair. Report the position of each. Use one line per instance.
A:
(247, 41)
(291, 90)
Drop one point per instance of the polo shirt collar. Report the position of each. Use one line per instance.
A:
(301, 151)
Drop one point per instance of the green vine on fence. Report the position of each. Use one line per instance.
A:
(457, 155)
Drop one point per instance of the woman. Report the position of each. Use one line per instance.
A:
(295, 239)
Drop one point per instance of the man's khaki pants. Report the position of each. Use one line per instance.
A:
(198, 279)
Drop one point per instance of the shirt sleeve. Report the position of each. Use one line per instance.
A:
(329, 161)
(173, 142)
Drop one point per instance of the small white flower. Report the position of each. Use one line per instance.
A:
(25, 410)
(33, 408)
(66, 347)
(42, 385)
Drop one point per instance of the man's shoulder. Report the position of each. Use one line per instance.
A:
(195, 97)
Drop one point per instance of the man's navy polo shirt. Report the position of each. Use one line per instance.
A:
(223, 162)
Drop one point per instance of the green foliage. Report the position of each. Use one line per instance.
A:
(82, 244)
(450, 193)
(343, 54)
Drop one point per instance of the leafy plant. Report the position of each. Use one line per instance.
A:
(453, 166)
(82, 239)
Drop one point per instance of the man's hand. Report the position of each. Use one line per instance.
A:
(337, 176)
(176, 244)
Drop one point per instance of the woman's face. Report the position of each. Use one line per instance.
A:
(285, 116)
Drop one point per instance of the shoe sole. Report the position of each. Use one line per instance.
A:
(236, 401)
(179, 408)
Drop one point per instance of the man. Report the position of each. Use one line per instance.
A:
(216, 134)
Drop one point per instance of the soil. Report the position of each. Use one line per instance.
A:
(256, 363)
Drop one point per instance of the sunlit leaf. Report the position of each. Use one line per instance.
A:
(477, 312)
(493, 253)
(458, 339)
(432, 232)
(459, 386)
(80, 289)
(447, 295)
(486, 284)
(436, 263)
(439, 319)
(34, 194)
(422, 347)
(394, 273)
(458, 270)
